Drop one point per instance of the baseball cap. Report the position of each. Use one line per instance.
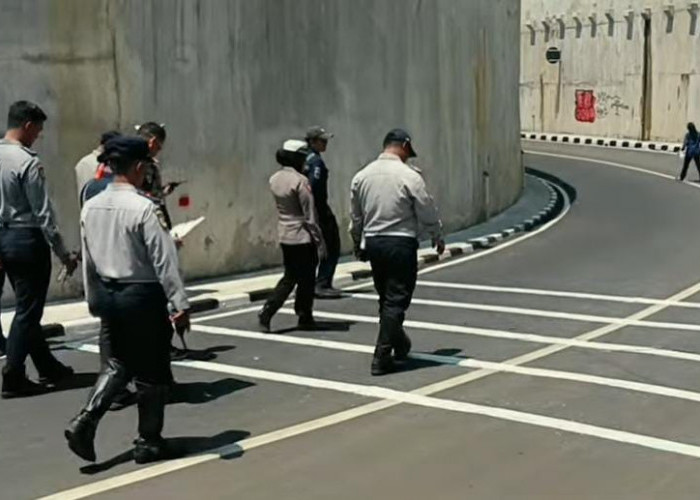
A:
(317, 132)
(399, 135)
(126, 148)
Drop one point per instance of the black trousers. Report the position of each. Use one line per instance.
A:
(26, 258)
(686, 164)
(299, 270)
(135, 330)
(331, 235)
(3, 342)
(394, 263)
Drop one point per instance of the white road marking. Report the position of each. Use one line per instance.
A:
(382, 393)
(523, 337)
(226, 314)
(613, 164)
(541, 313)
(457, 361)
(557, 293)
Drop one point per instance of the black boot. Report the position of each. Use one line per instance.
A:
(55, 375)
(80, 433)
(403, 348)
(383, 362)
(306, 322)
(3, 344)
(15, 384)
(264, 318)
(150, 445)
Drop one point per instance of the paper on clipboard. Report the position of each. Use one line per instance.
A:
(184, 228)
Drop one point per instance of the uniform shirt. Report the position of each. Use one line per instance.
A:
(24, 200)
(317, 172)
(153, 183)
(389, 198)
(124, 239)
(86, 168)
(296, 215)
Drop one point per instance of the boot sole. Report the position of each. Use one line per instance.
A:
(87, 456)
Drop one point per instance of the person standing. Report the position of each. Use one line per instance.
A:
(317, 139)
(153, 186)
(391, 207)
(299, 235)
(28, 233)
(691, 146)
(131, 274)
(86, 168)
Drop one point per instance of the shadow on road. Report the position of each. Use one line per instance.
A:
(195, 393)
(207, 354)
(183, 446)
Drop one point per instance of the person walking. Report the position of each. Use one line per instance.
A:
(317, 139)
(131, 274)
(28, 233)
(691, 146)
(391, 208)
(87, 167)
(299, 236)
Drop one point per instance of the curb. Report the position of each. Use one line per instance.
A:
(659, 147)
(426, 256)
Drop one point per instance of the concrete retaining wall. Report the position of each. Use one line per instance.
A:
(615, 79)
(232, 78)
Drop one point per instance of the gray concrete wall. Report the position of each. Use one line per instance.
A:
(232, 78)
(604, 51)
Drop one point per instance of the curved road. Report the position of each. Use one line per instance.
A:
(565, 366)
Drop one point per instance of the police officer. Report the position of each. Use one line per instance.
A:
(390, 209)
(86, 168)
(28, 233)
(153, 186)
(317, 139)
(299, 235)
(131, 274)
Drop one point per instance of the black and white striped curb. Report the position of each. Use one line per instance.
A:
(426, 256)
(659, 147)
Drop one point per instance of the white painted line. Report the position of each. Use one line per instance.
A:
(304, 427)
(556, 293)
(227, 314)
(457, 361)
(540, 313)
(522, 337)
(613, 164)
(382, 393)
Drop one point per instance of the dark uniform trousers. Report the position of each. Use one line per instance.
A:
(394, 263)
(26, 259)
(331, 235)
(135, 343)
(300, 263)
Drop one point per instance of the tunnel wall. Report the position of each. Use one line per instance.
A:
(628, 69)
(232, 78)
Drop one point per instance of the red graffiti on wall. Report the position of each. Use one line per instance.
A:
(585, 106)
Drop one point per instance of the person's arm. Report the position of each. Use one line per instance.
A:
(306, 201)
(318, 178)
(163, 254)
(426, 210)
(356, 215)
(90, 275)
(34, 185)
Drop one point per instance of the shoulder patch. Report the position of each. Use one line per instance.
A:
(161, 218)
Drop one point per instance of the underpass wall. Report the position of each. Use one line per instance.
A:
(232, 78)
(628, 69)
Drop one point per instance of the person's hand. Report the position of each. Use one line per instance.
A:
(360, 254)
(170, 187)
(439, 245)
(71, 264)
(179, 243)
(181, 321)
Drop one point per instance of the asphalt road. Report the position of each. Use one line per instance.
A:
(564, 366)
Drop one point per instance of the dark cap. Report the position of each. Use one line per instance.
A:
(125, 148)
(400, 136)
(317, 132)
